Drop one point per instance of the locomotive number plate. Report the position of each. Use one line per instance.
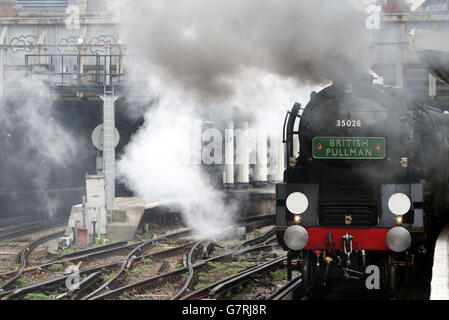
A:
(348, 148)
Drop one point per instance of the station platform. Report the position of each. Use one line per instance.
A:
(439, 287)
(132, 212)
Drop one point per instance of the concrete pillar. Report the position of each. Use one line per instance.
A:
(276, 159)
(122, 62)
(261, 160)
(272, 157)
(432, 79)
(81, 66)
(109, 148)
(400, 58)
(107, 67)
(432, 87)
(117, 66)
(242, 154)
(281, 160)
(229, 153)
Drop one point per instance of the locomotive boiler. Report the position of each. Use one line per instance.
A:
(368, 185)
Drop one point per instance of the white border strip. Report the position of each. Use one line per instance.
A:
(439, 287)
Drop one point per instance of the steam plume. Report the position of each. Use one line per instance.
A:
(206, 57)
(35, 145)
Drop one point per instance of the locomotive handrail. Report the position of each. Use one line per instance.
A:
(290, 129)
(283, 128)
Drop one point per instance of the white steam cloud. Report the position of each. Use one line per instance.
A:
(207, 57)
(35, 145)
(200, 43)
(156, 166)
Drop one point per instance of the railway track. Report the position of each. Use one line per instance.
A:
(178, 283)
(138, 251)
(6, 223)
(102, 258)
(28, 227)
(259, 239)
(172, 266)
(221, 288)
(9, 278)
(292, 290)
(137, 265)
(110, 274)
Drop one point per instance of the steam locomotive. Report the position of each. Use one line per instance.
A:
(368, 184)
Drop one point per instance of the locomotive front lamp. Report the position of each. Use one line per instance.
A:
(398, 220)
(399, 204)
(297, 203)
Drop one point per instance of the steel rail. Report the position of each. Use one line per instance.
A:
(24, 255)
(83, 285)
(257, 240)
(52, 283)
(114, 251)
(207, 247)
(148, 282)
(87, 257)
(259, 224)
(92, 250)
(131, 256)
(94, 254)
(156, 255)
(245, 276)
(206, 291)
(286, 290)
(257, 218)
(33, 229)
(40, 267)
(138, 250)
(8, 224)
(270, 240)
(168, 252)
(61, 280)
(193, 254)
(89, 280)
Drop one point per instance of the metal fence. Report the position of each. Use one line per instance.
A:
(76, 69)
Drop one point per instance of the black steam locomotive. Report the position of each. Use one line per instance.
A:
(368, 184)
